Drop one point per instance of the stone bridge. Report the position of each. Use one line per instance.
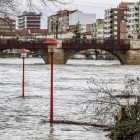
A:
(127, 51)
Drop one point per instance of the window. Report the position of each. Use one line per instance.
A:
(115, 28)
(125, 12)
(115, 12)
(115, 17)
(115, 33)
(115, 22)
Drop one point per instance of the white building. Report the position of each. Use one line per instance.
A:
(82, 18)
(133, 19)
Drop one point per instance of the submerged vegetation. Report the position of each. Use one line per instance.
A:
(119, 108)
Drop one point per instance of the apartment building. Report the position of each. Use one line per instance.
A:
(123, 30)
(66, 20)
(93, 31)
(7, 25)
(100, 29)
(133, 19)
(113, 17)
(29, 20)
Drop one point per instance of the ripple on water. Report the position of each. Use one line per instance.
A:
(27, 118)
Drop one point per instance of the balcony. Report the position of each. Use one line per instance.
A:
(106, 31)
(108, 15)
(107, 35)
(135, 17)
(33, 25)
(132, 12)
(107, 25)
(133, 23)
(107, 20)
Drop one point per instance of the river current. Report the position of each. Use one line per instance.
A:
(27, 118)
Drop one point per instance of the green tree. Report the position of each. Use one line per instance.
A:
(77, 33)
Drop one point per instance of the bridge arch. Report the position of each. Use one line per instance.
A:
(63, 55)
(42, 53)
(119, 54)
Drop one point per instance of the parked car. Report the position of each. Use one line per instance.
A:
(27, 39)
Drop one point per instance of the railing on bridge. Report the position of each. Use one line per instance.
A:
(15, 40)
(97, 41)
(69, 40)
(104, 44)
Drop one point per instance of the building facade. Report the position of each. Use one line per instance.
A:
(133, 19)
(123, 30)
(66, 20)
(7, 25)
(100, 29)
(29, 20)
(113, 17)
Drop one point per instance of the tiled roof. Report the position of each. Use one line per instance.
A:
(22, 32)
(9, 34)
(38, 31)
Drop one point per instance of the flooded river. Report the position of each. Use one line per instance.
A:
(26, 118)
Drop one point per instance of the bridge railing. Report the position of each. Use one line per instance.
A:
(75, 41)
(97, 41)
(15, 40)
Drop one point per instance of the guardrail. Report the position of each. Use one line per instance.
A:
(97, 41)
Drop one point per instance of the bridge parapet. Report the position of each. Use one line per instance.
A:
(97, 41)
(135, 44)
(110, 44)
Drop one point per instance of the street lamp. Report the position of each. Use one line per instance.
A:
(23, 55)
(52, 48)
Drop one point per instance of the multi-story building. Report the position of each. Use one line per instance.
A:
(113, 17)
(7, 25)
(123, 30)
(93, 30)
(100, 29)
(65, 19)
(133, 19)
(29, 20)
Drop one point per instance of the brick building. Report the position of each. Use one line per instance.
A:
(123, 30)
(113, 17)
(7, 25)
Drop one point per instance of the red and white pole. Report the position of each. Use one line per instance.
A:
(23, 80)
(51, 97)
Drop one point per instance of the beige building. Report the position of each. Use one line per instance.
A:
(100, 29)
(86, 35)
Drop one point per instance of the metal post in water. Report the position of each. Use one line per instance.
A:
(23, 80)
(51, 98)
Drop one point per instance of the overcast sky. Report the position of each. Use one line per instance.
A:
(86, 6)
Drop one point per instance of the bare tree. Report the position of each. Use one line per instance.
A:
(106, 101)
(12, 7)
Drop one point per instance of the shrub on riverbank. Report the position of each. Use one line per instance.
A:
(122, 103)
(127, 126)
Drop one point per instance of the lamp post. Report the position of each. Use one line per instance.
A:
(52, 48)
(23, 55)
